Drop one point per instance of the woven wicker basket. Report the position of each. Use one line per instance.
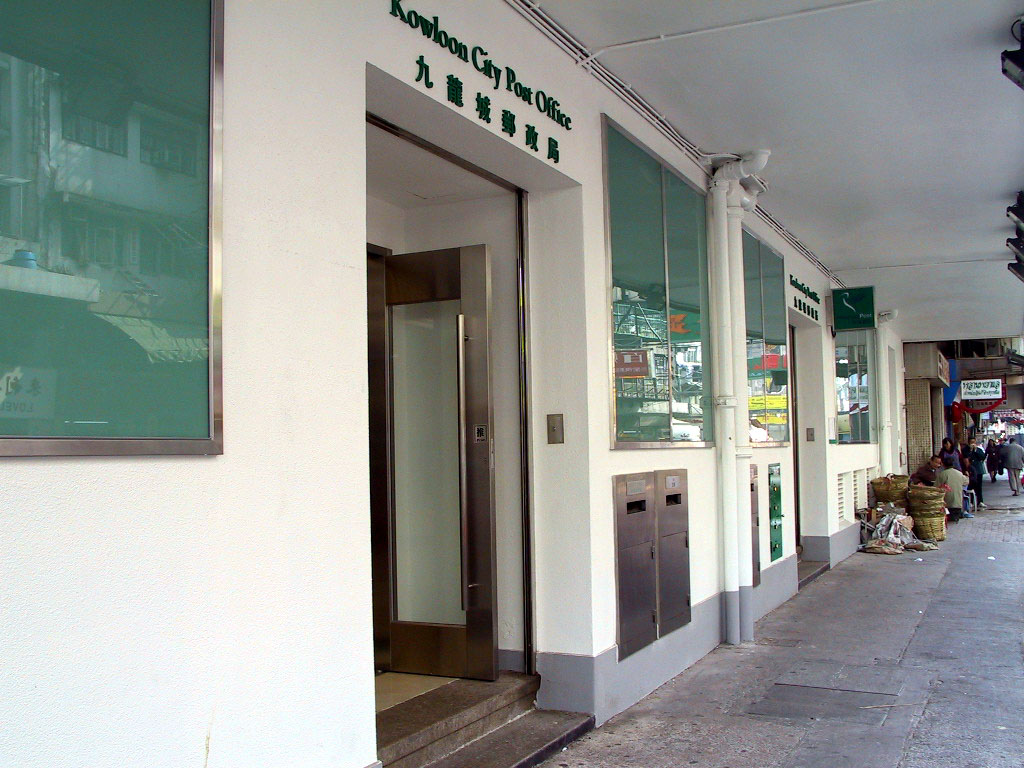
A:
(891, 488)
(930, 527)
(926, 500)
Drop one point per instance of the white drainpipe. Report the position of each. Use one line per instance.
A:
(742, 415)
(725, 403)
(732, 199)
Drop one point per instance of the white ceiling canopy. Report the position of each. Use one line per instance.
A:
(897, 143)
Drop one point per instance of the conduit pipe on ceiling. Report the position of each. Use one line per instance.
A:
(668, 37)
(725, 405)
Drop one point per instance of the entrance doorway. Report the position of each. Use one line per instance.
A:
(447, 417)
(431, 462)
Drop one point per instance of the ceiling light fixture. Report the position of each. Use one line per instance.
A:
(1013, 61)
(1016, 212)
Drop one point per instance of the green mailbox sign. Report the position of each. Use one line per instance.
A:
(853, 308)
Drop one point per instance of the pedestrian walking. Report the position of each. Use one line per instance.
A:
(954, 480)
(992, 458)
(1014, 463)
(977, 458)
(950, 449)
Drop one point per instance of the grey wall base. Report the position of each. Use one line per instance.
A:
(835, 548)
(378, 764)
(747, 617)
(604, 686)
(779, 582)
(513, 661)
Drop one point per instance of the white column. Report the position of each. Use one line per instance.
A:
(886, 434)
(741, 414)
(723, 374)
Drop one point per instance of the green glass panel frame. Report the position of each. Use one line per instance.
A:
(640, 323)
(109, 272)
(767, 341)
(855, 390)
(661, 336)
(689, 326)
(753, 311)
(776, 344)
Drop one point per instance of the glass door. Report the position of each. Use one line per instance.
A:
(439, 547)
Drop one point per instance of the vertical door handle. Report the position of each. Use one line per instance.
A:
(460, 327)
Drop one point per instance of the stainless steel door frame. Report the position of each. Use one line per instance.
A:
(377, 380)
(480, 581)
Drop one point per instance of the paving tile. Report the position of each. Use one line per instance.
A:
(940, 636)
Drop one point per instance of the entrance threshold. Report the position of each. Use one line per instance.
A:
(466, 723)
(808, 570)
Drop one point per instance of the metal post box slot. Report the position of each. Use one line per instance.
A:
(673, 551)
(652, 535)
(755, 526)
(775, 509)
(636, 567)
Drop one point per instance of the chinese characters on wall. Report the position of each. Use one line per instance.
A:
(531, 138)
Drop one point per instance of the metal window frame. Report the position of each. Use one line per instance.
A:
(666, 167)
(214, 444)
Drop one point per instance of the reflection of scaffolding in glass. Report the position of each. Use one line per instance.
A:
(640, 322)
(640, 327)
(644, 389)
(668, 404)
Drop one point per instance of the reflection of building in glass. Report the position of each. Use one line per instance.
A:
(102, 186)
(767, 329)
(853, 386)
(644, 401)
(107, 189)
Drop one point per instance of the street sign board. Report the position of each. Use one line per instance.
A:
(853, 308)
(982, 389)
(632, 364)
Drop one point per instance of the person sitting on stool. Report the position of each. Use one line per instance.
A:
(954, 480)
(926, 474)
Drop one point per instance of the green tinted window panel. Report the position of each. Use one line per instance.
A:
(640, 321)
(854, 390)
(767, 341)
(104, 252)
(755, 337)
(776, 348)
(689, 322)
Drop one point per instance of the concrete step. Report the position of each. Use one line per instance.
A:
(425, 729)
(522, 743)
(808, 570)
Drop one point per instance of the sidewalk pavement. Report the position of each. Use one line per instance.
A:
(901, 661)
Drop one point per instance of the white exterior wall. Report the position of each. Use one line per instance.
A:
(217, 610)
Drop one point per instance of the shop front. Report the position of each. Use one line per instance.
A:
(496, 387)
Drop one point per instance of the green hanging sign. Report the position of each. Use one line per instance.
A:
(853, 308)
